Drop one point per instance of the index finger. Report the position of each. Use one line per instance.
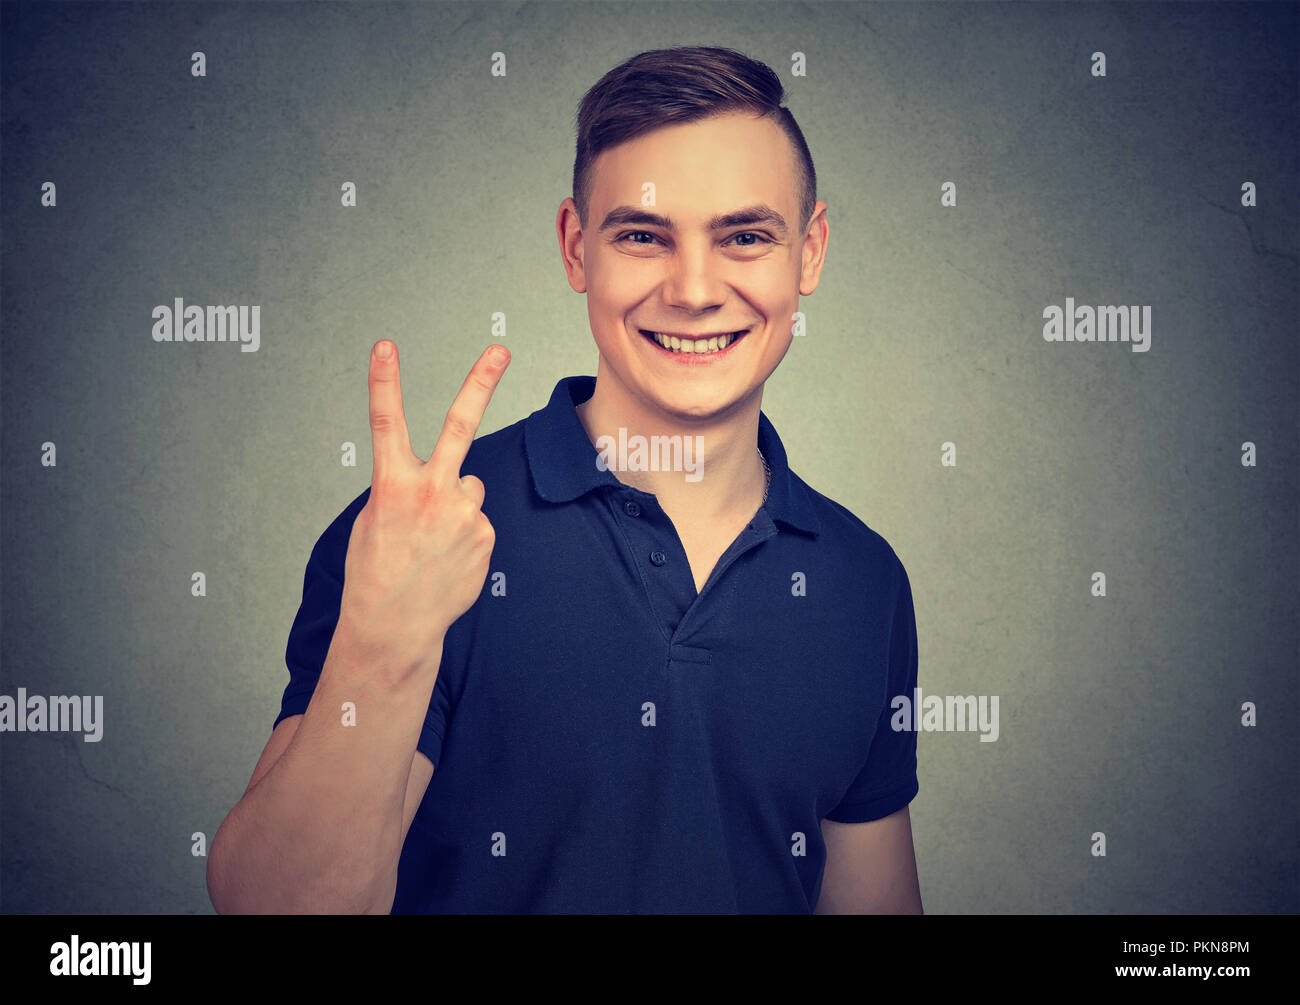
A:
(390, 440)
(466, 413)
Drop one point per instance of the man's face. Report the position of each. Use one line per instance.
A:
(680, 267)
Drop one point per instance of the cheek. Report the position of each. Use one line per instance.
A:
(612, 293)
(772, 282)
(776, 300)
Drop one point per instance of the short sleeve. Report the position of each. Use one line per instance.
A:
(888, 781)
(313, 630)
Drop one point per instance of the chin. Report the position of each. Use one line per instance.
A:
(693, 403)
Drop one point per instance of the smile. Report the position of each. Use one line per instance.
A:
(702, 345)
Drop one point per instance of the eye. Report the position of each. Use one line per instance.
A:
(758, 238)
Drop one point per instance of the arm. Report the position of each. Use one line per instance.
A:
(870, 867)
(321, 826)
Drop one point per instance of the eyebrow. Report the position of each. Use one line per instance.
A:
(623, 216)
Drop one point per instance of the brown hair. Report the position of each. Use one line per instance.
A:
(672, 86)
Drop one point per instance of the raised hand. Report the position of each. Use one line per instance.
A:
(419, 550)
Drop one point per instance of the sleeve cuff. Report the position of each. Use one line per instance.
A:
(430, 744)
(876, 806)
(293, 704)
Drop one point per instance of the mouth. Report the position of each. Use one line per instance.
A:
(695, 347)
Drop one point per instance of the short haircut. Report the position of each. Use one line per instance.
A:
(663, 87)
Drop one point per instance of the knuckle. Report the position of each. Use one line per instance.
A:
(392, 480)
(467, 510)
(458, 425)
(382, 487)
(429, 492)
(382, 420)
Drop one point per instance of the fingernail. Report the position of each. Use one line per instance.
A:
(497, 354)
(383, 349)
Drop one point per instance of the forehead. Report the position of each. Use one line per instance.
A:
(700, 167)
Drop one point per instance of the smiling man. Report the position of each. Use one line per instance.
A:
(672, 694)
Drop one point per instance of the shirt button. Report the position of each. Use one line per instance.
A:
(631, 508)
(658, 557)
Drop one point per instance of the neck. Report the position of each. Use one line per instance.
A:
(721, 476)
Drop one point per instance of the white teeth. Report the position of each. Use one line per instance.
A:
(674, 344)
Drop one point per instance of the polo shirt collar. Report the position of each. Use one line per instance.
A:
(562, 459)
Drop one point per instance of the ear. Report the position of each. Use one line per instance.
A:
(814, 250)
(568, 228)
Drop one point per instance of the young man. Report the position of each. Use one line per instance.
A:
(533, 675)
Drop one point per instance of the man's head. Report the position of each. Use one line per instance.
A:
(694, 212)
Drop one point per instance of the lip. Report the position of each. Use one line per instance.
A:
(694, 358)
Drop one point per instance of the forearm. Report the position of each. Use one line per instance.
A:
(321, 832)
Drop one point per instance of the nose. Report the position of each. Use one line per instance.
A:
(693, 281)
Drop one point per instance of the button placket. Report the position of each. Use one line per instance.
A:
(649, 533)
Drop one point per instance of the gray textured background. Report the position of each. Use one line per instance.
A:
(1118, 714)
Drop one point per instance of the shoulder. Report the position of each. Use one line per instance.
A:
(848, 536)
(491, 457)
(497, 452)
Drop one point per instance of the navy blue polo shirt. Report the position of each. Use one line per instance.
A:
(608, 740)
